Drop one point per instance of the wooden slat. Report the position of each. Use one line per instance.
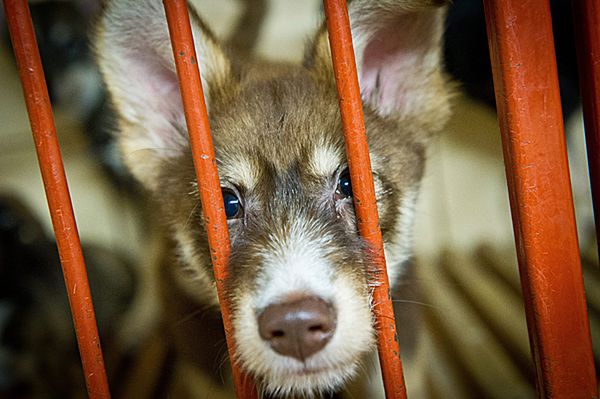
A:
(487, 364)
(499, 308)
(442, 375)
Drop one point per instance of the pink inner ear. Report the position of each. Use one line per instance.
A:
(394, 64)
(154, 100)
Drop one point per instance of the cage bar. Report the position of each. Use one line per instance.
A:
(57, 193)
(586, 17)
(530, 116)
(363, 191)
(207, 175)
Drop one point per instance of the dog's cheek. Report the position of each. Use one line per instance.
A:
(250, 351)
(398, 245)
(192, 271)
(355, 323)
(240, 286)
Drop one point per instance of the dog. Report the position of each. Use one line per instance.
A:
(300, 279)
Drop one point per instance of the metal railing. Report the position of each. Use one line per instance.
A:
(529, 111)
(537, 170)
(57, 193)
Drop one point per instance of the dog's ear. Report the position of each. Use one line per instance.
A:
(136, 58)
(398, 50)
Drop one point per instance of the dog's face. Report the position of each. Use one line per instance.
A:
(300, 278)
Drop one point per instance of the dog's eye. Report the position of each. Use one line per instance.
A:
(233, 206)
(344, 187)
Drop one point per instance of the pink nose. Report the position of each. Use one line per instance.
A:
(297, 329)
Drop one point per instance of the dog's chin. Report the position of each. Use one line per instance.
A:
(307, 381)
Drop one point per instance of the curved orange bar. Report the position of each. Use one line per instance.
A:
(530, 116)
(365, 204)
(205, 165)
(57, 193)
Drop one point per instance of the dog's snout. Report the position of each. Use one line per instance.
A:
(298, 329)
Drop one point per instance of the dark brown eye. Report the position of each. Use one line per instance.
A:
(344, 187)
(232, 204)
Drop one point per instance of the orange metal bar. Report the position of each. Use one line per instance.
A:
(530, 117)
(57, 193)
(206, 170)
(586, 14)
(363, 190)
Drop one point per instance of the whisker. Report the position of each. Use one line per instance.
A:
(224, 355)
(189, 316)
(418, 282)
(411, 302)
(191, 214)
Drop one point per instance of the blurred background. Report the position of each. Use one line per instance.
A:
(473, 340)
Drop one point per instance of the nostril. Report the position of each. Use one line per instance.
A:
(315, 328)
(277, 334)
(299, 328)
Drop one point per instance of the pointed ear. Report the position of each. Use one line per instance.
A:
(398, 50)
(136, 59)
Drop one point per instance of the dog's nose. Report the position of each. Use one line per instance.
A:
(299, 328)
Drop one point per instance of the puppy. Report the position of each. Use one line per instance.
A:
(300, 281)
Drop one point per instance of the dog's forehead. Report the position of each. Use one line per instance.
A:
(248, 169)
(276, 125)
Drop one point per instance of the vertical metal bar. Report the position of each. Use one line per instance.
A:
(206, 170)
(365, 204)
(530, 117)
(586, 15)
(57, 193)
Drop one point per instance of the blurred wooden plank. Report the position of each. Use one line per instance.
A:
(499, 307)
(503, 263)
(469, 340)
(443, 378)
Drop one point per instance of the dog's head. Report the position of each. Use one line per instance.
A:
(300, 278)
